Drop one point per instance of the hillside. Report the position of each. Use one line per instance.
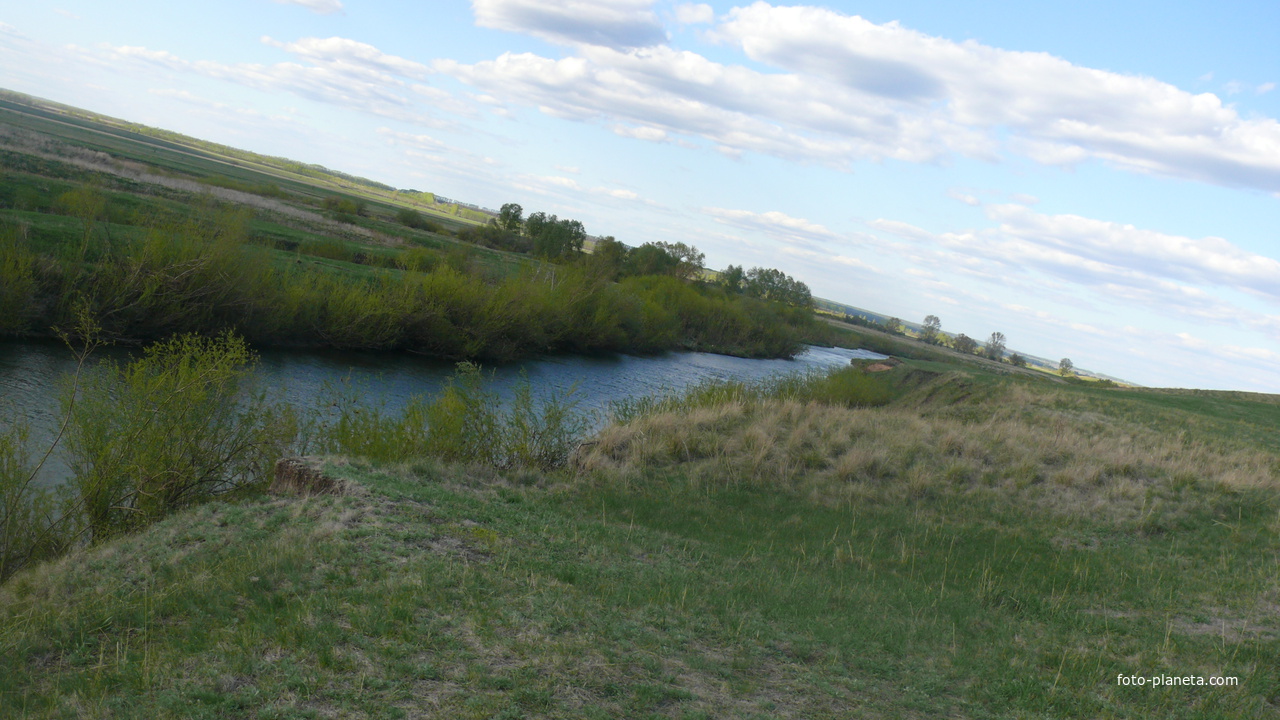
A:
(932, 541)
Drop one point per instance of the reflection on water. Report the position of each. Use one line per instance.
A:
(31, 374)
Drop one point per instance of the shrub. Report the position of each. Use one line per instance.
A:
(169, 430)
(29, 531)
(17, 283)
(465, 423)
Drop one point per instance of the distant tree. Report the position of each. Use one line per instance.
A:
(995, 346)
(773, 284)
(1066, 368)
(688, 259)
(553, 238)
(1017, 360)
(607, 258)
(893, 325)
(651, 259)
(965, 344)
(930, 329)
(511, 217)
(732, 278)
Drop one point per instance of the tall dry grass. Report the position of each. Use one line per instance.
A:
(1014, 442)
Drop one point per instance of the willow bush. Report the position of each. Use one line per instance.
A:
(169, 430)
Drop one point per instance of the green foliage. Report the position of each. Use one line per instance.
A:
(345, 207)
(265, 189)
(965, 344)
(553, 238)
(772, 284)
(414, 219)
(168, 430)
(733, 278)
(511, 217)
(29, 531)
(930, 329)
(607, 258)
(1017, 360)
(198, 272)
(846, 387)
(17, 282)
(1066, 368)
(465, 423)
(995, 346)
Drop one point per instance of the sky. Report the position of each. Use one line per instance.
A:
(1096, 180)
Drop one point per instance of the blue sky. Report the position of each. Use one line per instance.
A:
(1096, 180)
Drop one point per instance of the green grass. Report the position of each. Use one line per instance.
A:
(972, 564)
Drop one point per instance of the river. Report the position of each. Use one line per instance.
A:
(33, 372)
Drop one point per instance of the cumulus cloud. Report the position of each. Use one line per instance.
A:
(695, 14)
(736, 108)
(846, 89)
(777, 225)
(1133, 121)
(320, 7)
(608, 23)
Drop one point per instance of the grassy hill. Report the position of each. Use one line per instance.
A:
(936, 540)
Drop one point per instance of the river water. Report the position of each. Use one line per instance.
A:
(33, 373)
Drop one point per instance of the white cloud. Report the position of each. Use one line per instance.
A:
(1137, 122)
(336, 71)
(1181, 278)
(608, 23)
(351, 56)
(777, 225)
(695, 14)
(1265, 88)
(1210, 260)
(320, 7)
(850, 90)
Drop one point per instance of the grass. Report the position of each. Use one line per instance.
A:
(980, 546)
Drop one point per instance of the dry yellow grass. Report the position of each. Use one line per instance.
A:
(1067, 461)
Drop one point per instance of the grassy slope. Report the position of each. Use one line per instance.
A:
(203, 161)
(984, 546)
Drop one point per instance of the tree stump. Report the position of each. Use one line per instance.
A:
(303, 476)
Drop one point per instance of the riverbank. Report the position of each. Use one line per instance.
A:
(975, 545)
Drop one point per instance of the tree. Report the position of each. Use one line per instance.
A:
(772, 284)
(511, 217)
(1066, 368)
(651, 259)
(607, 258)
(893, 325)
(930, 329)
(732, 278)
(554, 238)
(995, 346)
(965, 344)
(1017, 360)
(688, 259)
(535, 223)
